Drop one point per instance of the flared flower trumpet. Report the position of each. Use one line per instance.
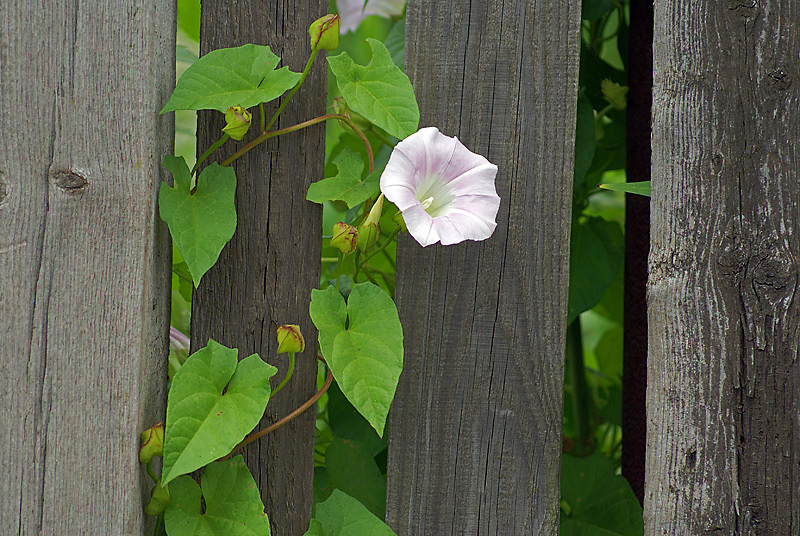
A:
(445, 191)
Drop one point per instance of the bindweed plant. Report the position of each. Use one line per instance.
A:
(430, 186)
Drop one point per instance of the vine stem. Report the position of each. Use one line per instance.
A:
(210, 150)
(273, 133)
(272, 427)
(383, 247)
(287, 377)
(293, 91)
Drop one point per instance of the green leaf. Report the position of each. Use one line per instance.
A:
(596, 254)
(200, 223)
(351, 468)
(585, 141)
(599, 501)
(380, 91)
(363, 344)
(203, 424)
(347, 184)
(347, 423)
(242, 76)
(342, 515)
(396, 42)
(639, 188)
(232, 503)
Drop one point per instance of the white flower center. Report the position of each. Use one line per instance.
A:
(435, 196)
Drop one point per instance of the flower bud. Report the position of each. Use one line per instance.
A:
(345, 238)
(238, 122)
(398, 219)
(290, 339)
(152, 443)
(614, 93)
(370, 230)
(159, 499)
(324, 33)
(340, 107)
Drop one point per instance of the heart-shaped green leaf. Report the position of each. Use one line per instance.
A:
(380, 91)
(351, 468)
(342, 515)
(233, 503)
(200, 223)
(203, 424)
(363, 344)
(346, 185)
(241, 76)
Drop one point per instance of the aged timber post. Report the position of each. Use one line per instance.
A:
(723, 393)
(475, 430)
(84, 259)
(264, 275)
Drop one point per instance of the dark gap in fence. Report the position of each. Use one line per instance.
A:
(637, 246)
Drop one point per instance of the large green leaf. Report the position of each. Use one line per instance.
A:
(241, 76)
(204, 420)
(346, 422)
(200, 223)
(351, 468)
(599, 502)
(380, 91)
(342, 515)
(363, 344)
(347, 184)
(233, 504)
(596, 254)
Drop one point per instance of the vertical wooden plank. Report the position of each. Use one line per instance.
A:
(637, 246)
(475, 429)
(265, 274)
(723, 377)
(84, 259)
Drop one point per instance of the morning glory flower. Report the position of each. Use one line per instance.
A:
(352, 12)
(445, 192)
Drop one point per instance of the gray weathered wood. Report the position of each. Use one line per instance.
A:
(265, 274)
(723, 394)
(84, 259)
(475, 429)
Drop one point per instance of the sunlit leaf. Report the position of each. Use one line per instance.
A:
(233, 504)
(362, 341)
(639, 188)
(204, 419)
(347, 185)
(342, 515)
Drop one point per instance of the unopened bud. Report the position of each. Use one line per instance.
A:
(340, 107)
(238, 122)
(398, 219)
(345, 238)
(614, 93)
(152, 443)
(159, 499)
(324, 33)
(290, 339)
(370, 230)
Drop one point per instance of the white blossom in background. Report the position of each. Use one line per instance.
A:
(445, 191)
(352, 12)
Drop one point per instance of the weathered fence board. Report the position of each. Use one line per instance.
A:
(475, 430)
(265, 274)
(723, 377)
(84, 273)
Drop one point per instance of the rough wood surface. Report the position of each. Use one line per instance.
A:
(723, 377)
(475, 430)
(84, 259)
(265, 274)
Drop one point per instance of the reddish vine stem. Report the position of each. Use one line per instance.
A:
(273, 133)
(272, 427)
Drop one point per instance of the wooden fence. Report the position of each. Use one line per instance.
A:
(475, 432)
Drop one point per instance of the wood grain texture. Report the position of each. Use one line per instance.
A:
(84, 259)
(265, 274)
(475, 429)
(723, 394)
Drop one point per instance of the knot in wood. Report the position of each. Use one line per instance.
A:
(745, 9)
(779, 80)
(68, 181)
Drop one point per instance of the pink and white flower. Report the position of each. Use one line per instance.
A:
(352, 12)
(445, 192)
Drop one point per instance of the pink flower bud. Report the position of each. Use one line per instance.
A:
(345, 238)
(238, 122)
(152, 443)
(324, 33)
(290, 339)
